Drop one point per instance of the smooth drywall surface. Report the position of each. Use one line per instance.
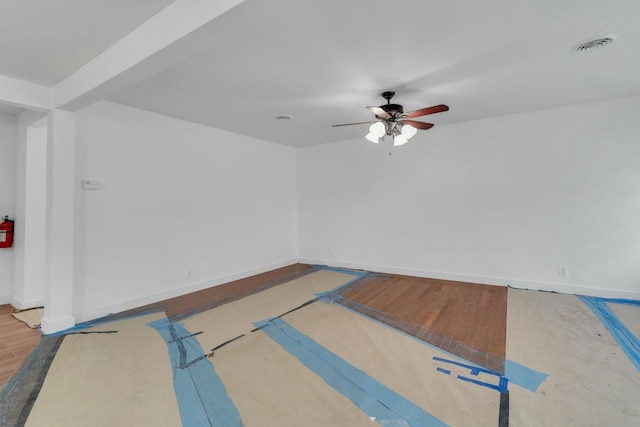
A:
(179, 207)
(35, 217)
(29, 167)
(505, 201)
(60, 221)
(7, 182)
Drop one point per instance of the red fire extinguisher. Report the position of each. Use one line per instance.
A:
(6, 233)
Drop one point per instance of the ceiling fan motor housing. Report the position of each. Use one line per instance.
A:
(394, 110)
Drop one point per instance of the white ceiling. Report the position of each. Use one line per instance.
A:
(323, 62)
(10, 110)
(43, 41)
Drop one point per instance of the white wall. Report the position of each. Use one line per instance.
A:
(7, 182)
(34, 273)
(177, 200)
(504, 201)
(30, 168)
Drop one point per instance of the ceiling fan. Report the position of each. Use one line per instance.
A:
(393, 121)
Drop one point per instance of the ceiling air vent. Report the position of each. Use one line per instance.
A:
(595, 44)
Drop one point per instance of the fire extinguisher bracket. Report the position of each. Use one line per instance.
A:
(6, 233)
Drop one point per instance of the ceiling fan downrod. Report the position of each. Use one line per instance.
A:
(388, 95)
(394, 110)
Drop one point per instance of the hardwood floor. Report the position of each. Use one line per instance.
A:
(206, 299)
(17, 341)
(469, 313)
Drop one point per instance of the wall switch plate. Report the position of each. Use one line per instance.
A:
(91, 185)
(563, 270)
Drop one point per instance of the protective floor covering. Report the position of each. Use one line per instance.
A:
(31, 317)
(283, 357)
(402, 363)
(236, 318)
(628, 315)
(591, 380)
(106, 378)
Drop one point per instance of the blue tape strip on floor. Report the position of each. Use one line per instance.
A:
(372, 397)
(524, 376)
(633, 302)
(475, 371)
(626, 339)
(516, 373)
(202, 397)
(358, 273)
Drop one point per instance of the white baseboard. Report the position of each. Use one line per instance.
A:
(24, 305)
(5, 299)
(175, 292)
(484, 280)
(53, 326)
(563, 288)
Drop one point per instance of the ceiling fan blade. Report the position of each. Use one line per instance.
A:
(418, 125)
(426, 111)
(379, 112)
(349, 124)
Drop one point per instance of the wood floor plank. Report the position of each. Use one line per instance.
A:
(466, 312)
(216, 295)
(17, 341)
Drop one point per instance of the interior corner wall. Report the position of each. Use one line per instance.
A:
(7, 181)
(503, 201)
(180, 207)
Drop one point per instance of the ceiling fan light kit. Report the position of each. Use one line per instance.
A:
(394, 122)
(376, 132)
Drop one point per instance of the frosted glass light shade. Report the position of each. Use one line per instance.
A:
(376, 131)
(408, 131)
(399, 140)
(406, 134)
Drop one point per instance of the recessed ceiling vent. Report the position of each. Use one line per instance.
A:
(595, 44)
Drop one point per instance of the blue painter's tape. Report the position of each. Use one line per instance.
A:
(516, 373)
(202, 397)
(626, 339)
(524, 376)
(474, 370)
(633, 302)
(325, 297)
(372, 397)
(501, 387)
(444, 371)
(358, 273)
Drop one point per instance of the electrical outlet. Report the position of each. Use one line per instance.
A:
(188, 274)
(563, 270)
